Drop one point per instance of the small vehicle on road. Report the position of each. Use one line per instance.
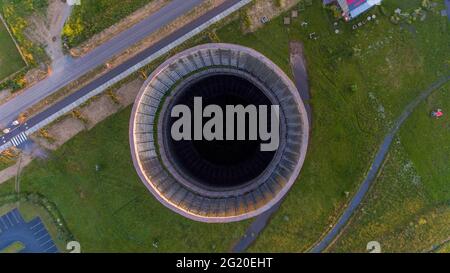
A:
(15, 123)
(6, 130)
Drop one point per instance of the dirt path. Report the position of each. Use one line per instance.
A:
(436, 248)
(58, 14)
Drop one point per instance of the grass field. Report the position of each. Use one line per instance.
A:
(10, 59)
(111, 210)
(360, 82)
(6, 164)
(93, 16)
(408, 207)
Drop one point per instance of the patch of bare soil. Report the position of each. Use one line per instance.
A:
(61, 132)
(127, 93)
(125, 23)
(261, 8)
(99, 109)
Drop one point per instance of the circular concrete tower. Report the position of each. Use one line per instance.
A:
(217, 180)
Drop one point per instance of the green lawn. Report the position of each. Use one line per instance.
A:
(408, 207)
(10, 59)
(93, 16)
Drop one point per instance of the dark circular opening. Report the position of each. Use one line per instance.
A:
(220, 163)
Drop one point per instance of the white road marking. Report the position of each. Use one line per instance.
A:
(19, 139)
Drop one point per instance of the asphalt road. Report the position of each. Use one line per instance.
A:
(118, 70)
(75, 68)
(374, 169)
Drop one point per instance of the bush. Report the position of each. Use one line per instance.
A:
(353, 88)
